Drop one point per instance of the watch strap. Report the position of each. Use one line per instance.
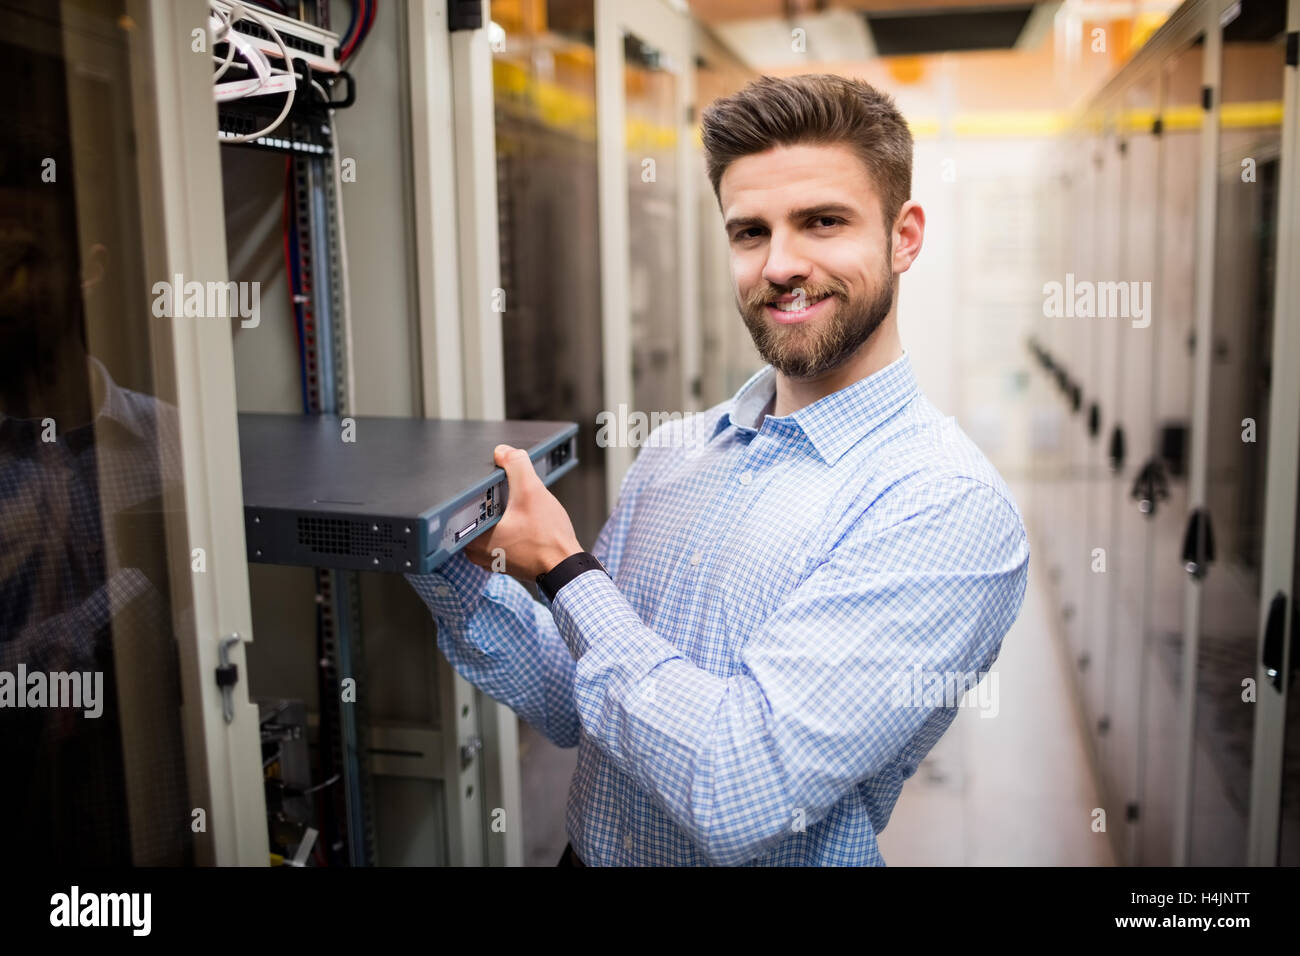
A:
(551, 581)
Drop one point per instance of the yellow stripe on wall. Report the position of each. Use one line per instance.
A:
(565, 109)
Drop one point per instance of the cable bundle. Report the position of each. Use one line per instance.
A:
(267, 79)
(363, 18)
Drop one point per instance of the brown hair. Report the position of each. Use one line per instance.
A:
(819, 109)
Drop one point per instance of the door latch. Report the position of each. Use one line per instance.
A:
(228, 677)
(1198, 544)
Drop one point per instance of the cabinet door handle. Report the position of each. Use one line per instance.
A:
(1117, 448)
(1274, 640)
(1150, 487)
(1198, 544)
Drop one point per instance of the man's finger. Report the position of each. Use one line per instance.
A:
(518, 466)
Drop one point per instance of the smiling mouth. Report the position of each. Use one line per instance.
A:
(796, 309)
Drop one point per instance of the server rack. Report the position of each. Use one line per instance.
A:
(1174, 586)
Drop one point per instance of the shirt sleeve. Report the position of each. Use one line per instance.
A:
(822, 702)
(504, 641)
(497, 636)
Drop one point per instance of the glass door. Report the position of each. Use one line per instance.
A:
(1250, 113)
(121, 541)
(1100, 416)
(1075, 371)
(1136, 484)
(544, 91)
(650, 82)
(1275, 810)
(647, 213)
(1181, 126)
(1274, 834)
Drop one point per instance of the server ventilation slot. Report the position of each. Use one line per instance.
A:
(338, 536)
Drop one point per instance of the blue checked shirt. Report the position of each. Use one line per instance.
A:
(734, 689)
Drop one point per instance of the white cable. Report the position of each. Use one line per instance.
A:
(242, 89)
(224, 36)
(235, 43)
(237, 12)
(254, 58)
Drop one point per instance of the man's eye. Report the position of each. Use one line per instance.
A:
(827, 221)
(751, 233)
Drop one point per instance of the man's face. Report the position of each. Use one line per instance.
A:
(810, 254)
(39, 304)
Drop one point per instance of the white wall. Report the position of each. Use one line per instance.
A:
(968, 303)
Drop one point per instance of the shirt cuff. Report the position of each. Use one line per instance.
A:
(589, 602)
(454, 588)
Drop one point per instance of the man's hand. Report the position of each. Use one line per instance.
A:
(535, 533)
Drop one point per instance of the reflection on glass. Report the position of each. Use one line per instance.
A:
(654, 285)
(90, 705)
(727, 353)
(545, 81)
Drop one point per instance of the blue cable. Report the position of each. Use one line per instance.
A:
(351, 25)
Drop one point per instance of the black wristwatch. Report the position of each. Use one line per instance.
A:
(551, 581)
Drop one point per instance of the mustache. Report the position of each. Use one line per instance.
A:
(769, 294)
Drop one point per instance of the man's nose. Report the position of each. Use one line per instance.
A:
(786, 263)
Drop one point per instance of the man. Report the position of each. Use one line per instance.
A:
(781, 571)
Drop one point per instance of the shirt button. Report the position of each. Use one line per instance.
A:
(696, 558)
(627, 842)
(746, 477)
(443, 590)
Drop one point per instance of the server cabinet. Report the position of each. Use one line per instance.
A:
(1183, 462)
(1103, 327)
(1180, 75)
(1132, 455)
(1237, 429)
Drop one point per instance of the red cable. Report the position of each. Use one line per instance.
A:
(362, 18)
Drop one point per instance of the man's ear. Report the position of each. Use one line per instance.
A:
(908, 235)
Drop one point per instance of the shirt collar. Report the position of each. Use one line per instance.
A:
(832, 424)
(115, 405)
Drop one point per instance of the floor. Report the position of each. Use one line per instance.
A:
(545, 771)
(1012, 790)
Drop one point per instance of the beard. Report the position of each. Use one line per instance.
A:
(810, 349)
